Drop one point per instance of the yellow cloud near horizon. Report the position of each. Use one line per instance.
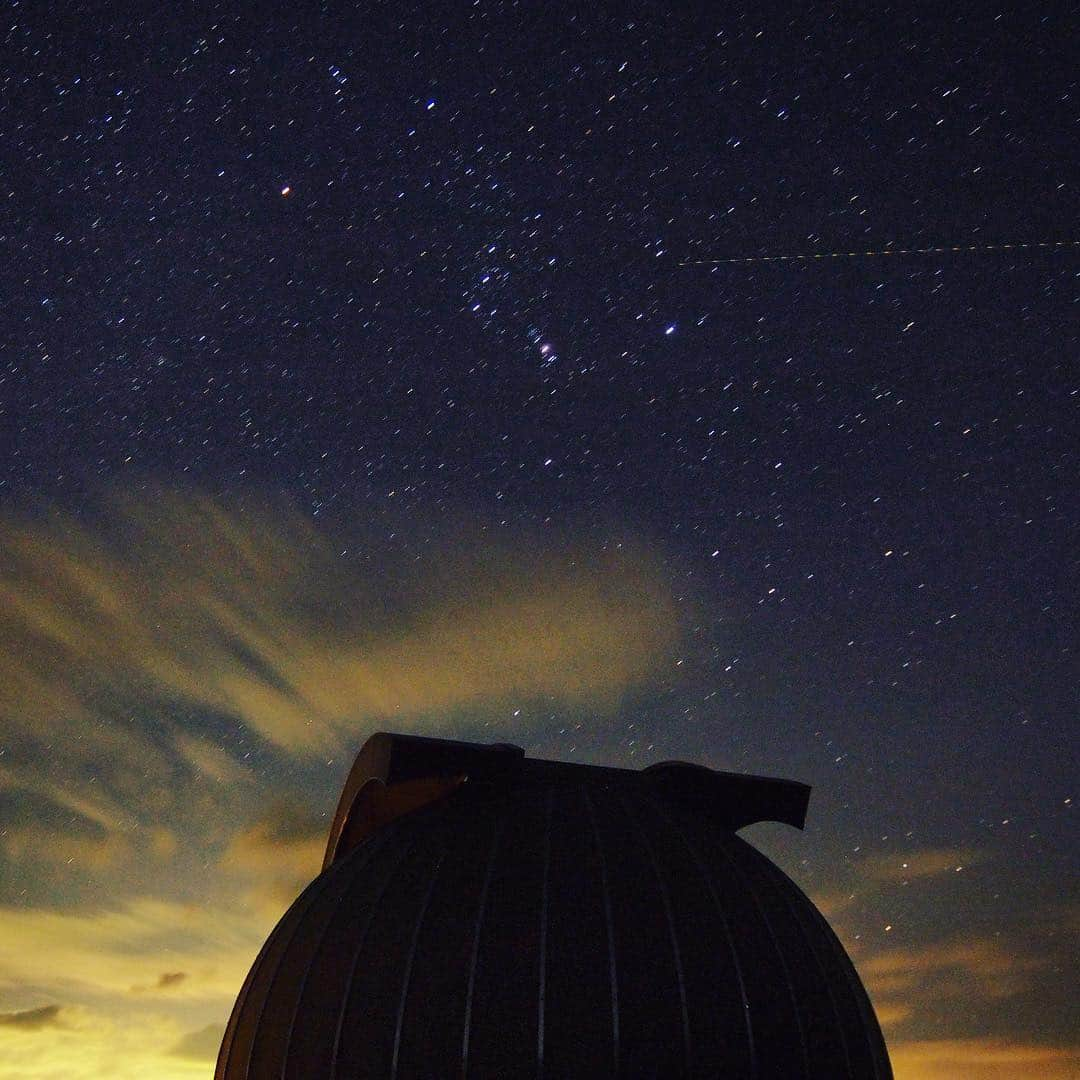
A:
(98, 1044)
(173, 604)
(121, 628)
(171, 971)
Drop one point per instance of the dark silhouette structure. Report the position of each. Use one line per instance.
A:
(482, 914)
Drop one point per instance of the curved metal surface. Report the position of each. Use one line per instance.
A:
(556, 921)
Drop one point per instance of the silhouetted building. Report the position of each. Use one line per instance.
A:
(482, 914)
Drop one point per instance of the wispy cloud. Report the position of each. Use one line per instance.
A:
(96, 850)
(918, 863)
(917, 984)
(167, 980)
(132, 636)
(102, 954)
(32, 1019)
(277, 855)
(92, 1043)
(255, 613)
(201, 1045)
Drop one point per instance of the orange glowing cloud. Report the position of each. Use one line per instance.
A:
(922, 863)
(979, 968)
(982, 1059)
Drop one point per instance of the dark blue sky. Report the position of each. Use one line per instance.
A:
(422, 274)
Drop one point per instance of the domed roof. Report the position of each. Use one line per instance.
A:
(483, 914)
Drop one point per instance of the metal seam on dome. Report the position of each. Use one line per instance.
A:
(613, 974)
(301, 906)
(542, 989)
(233, 1023)
(676, 952)
(328, 979)
(224, 1057)
(769, 870)
(722, 918)
(863, 1005)
(756, 899)
(350, 883)
(409, 961)
(405, 852)
(474, 960)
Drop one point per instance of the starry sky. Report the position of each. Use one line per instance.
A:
(402, 369)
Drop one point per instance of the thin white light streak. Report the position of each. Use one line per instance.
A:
(958, 248)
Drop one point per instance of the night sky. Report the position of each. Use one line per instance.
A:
(371, 372)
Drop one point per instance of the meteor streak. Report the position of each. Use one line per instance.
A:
(961, 248)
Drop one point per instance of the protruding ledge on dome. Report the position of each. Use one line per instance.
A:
(731, 800)
(394, 775)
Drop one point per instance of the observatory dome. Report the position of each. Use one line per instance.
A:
(481, 914)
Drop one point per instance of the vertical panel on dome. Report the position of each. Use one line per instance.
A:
(578, 1021)
(650, 1020)
(503, 1023)
(369, 1015)
(856, 1024)
(861, 1024)
(314, 1027)
(715, 987)
(819, 1019)
(774, 1014)
(279, 1009)
(244, 1033)
(444, 946)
